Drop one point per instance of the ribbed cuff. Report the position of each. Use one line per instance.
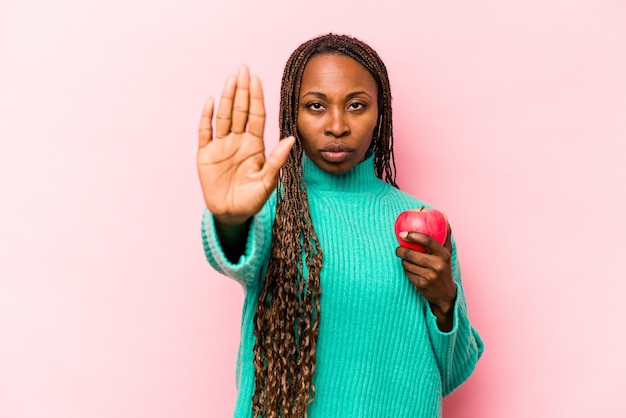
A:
(458, 350)
(246, 269)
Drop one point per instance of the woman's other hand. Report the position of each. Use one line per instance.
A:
(431, 274)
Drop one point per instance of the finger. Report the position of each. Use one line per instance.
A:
(415, 269)
(277, 159)
(428, 243)
(241, 104)
(416, 258)
(423, 240)
(225, 109)
(428, 268)
(205, 131)
(418, 282)
(256, 118)
(421, 278)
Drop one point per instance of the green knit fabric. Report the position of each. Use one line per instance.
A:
(379, 353)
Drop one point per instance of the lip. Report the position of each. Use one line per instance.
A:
(336, 153)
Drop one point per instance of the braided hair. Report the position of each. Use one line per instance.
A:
(287, 318)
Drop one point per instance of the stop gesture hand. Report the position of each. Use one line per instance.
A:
(235, 176)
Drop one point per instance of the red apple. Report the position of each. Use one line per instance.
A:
(427, 221)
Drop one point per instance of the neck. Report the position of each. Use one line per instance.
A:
(358, 179)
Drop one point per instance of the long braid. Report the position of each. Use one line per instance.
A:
(287, 318)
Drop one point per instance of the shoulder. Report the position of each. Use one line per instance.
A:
(402, 198)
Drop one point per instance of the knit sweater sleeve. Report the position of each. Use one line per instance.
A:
(247, 269)
(458, 350)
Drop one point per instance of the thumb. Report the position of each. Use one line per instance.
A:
(277, 158)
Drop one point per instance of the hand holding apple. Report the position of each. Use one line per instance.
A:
(425, 250)
(426, 221)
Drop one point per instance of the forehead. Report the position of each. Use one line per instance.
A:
(336, 72)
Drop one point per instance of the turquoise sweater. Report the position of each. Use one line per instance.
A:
(379, 353)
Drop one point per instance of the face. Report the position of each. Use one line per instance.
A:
(337, 111)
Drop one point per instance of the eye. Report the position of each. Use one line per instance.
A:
(356, 106)
(315, 106)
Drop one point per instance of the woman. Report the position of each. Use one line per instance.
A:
(337, 319)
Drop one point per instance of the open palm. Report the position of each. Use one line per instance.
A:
(236, 177)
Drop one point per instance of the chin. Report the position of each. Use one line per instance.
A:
(337, 168)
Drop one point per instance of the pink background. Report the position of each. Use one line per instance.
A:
(510, 116)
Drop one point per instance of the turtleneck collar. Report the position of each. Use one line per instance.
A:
(360, 178)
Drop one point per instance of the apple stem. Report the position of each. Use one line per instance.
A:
(422, 208)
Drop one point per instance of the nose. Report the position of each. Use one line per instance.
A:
(336, 124)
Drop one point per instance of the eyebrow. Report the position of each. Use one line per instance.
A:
(349, 96)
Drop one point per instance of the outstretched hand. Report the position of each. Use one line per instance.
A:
(236, 177)
(431, 274)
